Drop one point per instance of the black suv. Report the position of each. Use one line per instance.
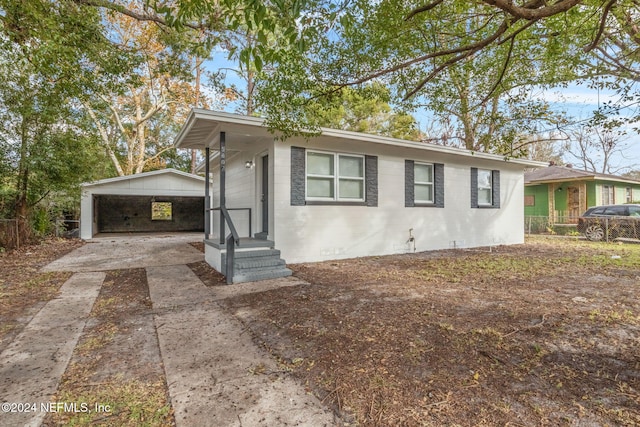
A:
(610, 222)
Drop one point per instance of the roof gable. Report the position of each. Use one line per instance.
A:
(131, 180)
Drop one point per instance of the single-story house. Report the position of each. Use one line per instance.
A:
(345, 194)
(164, 200)
(563, 193)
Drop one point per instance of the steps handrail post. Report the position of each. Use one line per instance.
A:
(231, 250)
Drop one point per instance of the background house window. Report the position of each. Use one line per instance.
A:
(484, 187)
(629, 195)
(530, 200)
(332, 176)
(161, 211)
(423, 182)
(607, 195)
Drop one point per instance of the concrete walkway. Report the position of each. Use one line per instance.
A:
(32, 365)
(216, 375)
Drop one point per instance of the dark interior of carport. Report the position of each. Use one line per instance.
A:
(145, 214)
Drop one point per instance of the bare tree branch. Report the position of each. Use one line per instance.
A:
(532, 10)
(105, 138)
(422, 9)
(106, 4)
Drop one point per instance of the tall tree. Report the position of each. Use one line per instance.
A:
(365, 110)
(595, 148)
(135, 123)
(503, 45)
(48, 52)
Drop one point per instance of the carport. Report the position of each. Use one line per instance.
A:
(165, 200)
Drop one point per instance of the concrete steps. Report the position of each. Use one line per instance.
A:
(257, 264)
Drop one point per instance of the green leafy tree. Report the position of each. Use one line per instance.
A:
(48, 54)
(363, 110)
(476, 59)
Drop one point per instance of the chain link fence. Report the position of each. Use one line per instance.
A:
(597, 229)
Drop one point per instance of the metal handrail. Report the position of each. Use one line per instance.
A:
(234, 209)
(232, 228)
(232, 239)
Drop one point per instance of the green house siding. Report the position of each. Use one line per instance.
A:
(620, 191)
(541, 200)
(592, 199)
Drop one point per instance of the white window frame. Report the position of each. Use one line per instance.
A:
(336, 177)
(490, 187)
(629, 194)
(610, 195)
(424, 183)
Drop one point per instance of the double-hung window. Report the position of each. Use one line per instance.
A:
(485, 188)
(608, 195)
(334, 176)
(423, 183)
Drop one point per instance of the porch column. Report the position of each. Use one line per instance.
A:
(223, 167)
(207, 196)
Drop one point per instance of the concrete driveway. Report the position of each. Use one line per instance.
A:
(206, 356)
(118, 251)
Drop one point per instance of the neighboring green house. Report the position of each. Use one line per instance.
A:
(563, 193)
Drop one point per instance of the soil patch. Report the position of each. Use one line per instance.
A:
(546, 333)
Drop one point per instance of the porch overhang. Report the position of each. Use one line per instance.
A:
(203, 127)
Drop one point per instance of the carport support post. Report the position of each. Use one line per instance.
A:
(223, 170)
(207, 196)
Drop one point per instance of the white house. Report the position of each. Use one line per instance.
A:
(346, 194)
(161, 200)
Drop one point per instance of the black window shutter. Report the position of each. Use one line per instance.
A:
(409, 192)
(371, 180)
(495, 188)
(298, 191)
(474, 187)
(438, 176)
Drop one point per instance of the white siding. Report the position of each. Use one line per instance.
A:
(242, 187)
(315, 233)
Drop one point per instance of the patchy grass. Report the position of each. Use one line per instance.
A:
(23, 288)
(117, 402)
(116, 370)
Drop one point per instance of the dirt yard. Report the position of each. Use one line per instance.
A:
(546, 333)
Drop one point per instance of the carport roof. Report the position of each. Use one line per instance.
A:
(142, 175)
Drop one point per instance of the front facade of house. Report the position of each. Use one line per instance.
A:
(563, 193)
(346, 194)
